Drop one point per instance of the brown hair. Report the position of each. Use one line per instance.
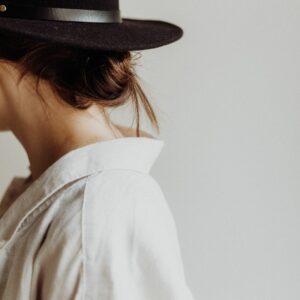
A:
(80, 76)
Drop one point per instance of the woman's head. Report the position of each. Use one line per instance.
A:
(79, 77)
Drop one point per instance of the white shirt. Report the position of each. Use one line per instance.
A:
(94, 225)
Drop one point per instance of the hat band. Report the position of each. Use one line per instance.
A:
(60, 14)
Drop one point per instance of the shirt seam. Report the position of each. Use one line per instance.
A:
(83, 245)
(134, 247)
(83, 269)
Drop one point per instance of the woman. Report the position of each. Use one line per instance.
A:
(89, 222)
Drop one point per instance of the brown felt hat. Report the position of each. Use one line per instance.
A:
(89, 24)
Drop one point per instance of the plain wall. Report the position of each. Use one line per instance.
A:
(227, 97)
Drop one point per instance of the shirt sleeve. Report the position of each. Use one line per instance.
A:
(159, 271)
(134, 254)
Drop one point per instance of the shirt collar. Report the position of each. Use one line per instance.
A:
(132, 153)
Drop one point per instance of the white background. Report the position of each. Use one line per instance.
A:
(227, 98)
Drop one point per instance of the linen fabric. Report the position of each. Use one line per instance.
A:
(95, 225)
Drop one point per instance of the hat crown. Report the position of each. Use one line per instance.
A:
(79, 4)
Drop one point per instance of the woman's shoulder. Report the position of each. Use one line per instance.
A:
(115, 187)
(113, 197)
(104, 197)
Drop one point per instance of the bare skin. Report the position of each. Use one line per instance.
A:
(47, 133)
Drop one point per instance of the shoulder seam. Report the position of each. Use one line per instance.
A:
(82, 275)
(143, 177)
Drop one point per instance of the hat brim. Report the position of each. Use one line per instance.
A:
(131, 34)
